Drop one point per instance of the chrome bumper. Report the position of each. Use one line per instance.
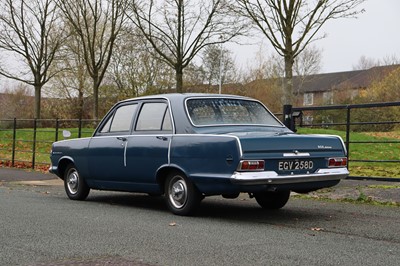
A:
(53, 169)
(272, 178)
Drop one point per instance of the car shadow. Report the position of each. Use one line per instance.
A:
(136, 200)
(250, 211)
(242, 210)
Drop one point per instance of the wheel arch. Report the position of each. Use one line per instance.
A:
(163, 172)
(62, 166)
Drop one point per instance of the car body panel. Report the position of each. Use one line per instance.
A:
(206, 159)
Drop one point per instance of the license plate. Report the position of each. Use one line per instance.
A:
(295, 165)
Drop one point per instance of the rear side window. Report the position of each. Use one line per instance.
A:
(154, 117)
(121, 120)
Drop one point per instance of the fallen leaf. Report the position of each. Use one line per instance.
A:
(316, 229)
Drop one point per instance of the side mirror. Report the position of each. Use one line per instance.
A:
(66, 134)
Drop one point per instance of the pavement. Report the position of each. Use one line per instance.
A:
(360, 191)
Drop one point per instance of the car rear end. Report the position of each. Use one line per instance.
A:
(286, 161)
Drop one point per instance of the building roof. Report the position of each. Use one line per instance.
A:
(341, 80)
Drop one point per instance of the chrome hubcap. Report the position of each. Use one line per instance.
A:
(72, 182)
(178, 192)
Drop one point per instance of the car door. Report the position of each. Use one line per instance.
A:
(148, 146)
(106, 153)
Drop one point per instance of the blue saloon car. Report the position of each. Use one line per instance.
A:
(189, 146)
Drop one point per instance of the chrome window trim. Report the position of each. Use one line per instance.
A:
(136, 101)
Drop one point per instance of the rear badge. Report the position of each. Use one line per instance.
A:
(324, 147)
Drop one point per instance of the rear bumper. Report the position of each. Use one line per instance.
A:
(272, 178)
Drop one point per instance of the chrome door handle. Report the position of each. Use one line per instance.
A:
(162, 138)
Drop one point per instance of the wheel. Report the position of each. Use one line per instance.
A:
(272, 200)
(75, 187)
(181, 195)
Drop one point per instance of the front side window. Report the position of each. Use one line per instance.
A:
(223, 111)
(121, 120)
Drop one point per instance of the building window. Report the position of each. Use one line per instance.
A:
(328, 97)
(308, 99)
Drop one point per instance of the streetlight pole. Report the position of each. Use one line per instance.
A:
(220, 68)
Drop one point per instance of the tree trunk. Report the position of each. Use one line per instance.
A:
(95, 98)
(38, 90)
(288, 84)
(80, 104)
(288, 90)
(179, 79)
(81, 85)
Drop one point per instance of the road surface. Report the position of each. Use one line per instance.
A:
(41, 226)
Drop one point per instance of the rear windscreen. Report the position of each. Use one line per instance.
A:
(223, 111)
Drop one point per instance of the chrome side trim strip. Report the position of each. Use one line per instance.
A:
(126, 145)
(169, 150)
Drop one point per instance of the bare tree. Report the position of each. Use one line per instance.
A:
(305, 66)
(391, 60)
(134, 70)
(369, 62)
(30, 34)
(177, 30)
(291, 25)
(218, 65)
(97, 23)
(73, 80)
(262, 66)
(18, 103)
(366, 63)
(308, 62)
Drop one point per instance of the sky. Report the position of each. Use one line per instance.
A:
(374, 34)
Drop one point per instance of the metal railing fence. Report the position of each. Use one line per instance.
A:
(354, 118)
(26, 143)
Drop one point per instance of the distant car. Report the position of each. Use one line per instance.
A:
(189, 146)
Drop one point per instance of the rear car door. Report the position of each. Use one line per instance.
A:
(148, 146)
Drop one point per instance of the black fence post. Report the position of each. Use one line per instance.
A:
(34, 143)
(80, 128)
(348, 124)
(57, 128)
(14, 141)
(287, 116)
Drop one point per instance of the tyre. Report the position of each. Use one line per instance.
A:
(272, 200)
(181, 195)
(75, 186)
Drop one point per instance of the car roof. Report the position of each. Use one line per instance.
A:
(181, 96)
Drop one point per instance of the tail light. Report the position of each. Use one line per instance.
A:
(251, 165)
(337, 162)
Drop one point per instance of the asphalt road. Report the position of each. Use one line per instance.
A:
(40, 226)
